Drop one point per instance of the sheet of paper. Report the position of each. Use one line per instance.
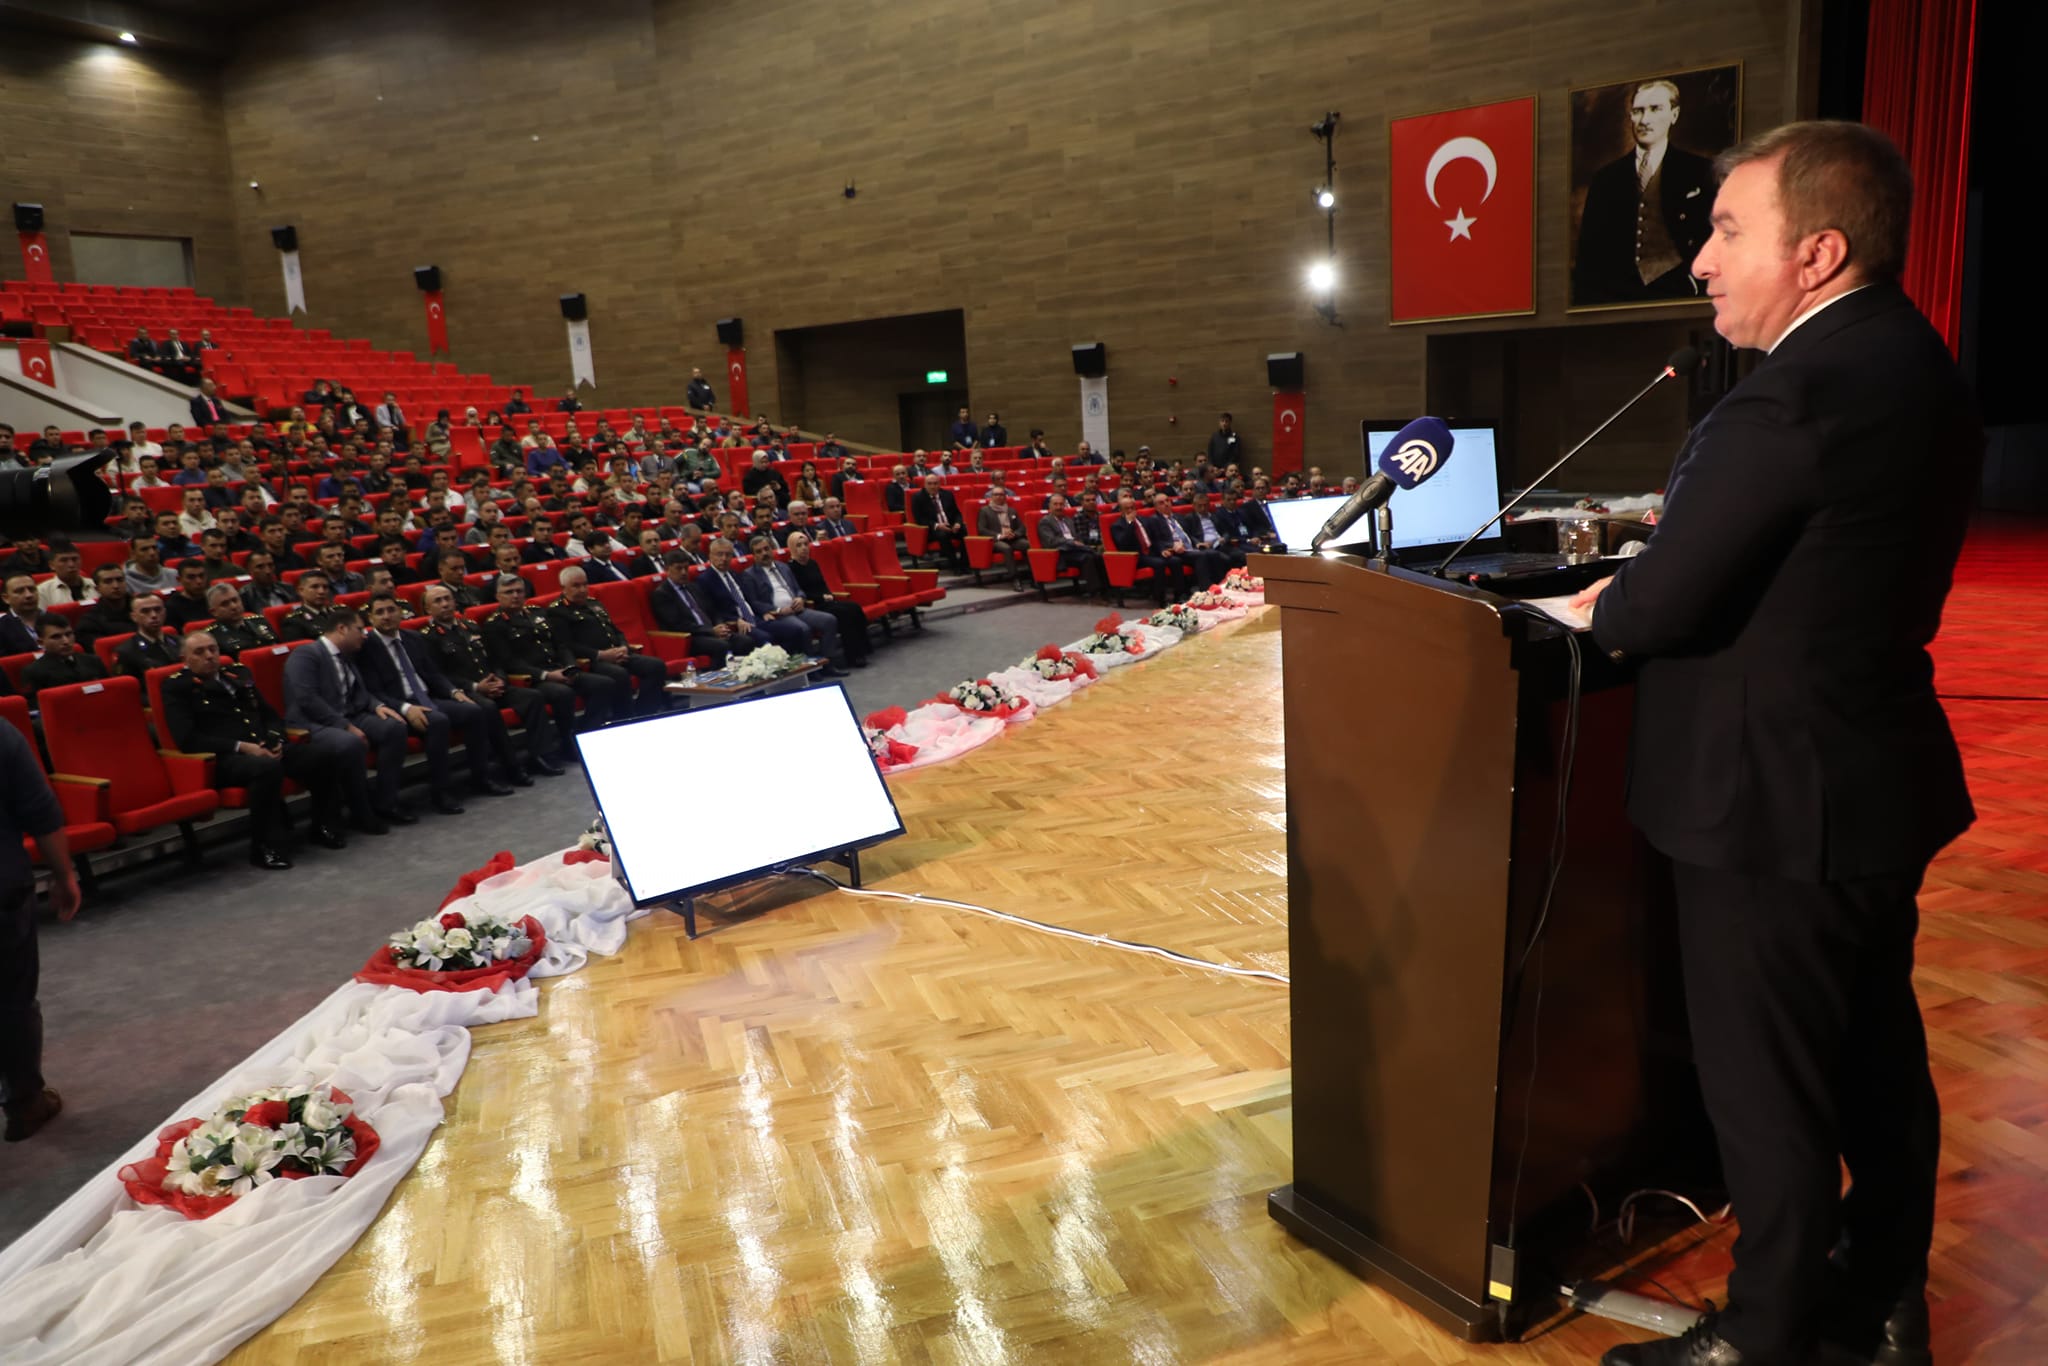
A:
(1561, 609)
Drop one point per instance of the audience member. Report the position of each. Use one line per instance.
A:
(186, 603)
(325, 696)
(108, 616)
(307, 621)
(232, 627)
(398, 668)
(1079, 546)
(62, 661)
(65, 584)
(773, 592)
(459, 650)
(522, 644)
(583, 626)
(817, 593)
(18, 635)
(935, 509)
(728, 604)
(999, 522)
(150, 646)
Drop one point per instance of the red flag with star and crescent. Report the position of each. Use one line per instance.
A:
(1462, 241)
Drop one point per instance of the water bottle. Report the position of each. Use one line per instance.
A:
(690, 673)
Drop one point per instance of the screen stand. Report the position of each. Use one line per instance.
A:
(686, 906)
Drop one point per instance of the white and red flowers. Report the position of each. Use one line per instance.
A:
(453, 942)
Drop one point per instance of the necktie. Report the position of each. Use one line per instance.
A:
(940, 504)
(739, 599)
(1642, 172)
(683, 596)
(415, 690)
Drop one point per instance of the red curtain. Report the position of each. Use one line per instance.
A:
(1916, 88)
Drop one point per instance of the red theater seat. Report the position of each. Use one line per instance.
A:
(96, 731)
(84, 802)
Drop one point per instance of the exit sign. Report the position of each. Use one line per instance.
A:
(935, 377)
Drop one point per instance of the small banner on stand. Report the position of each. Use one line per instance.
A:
(581, 366)
(294, 286)
(35, 258)
(1290, 414)
(1095, 413)
(437, 323)
(35, 360)
(736, 379)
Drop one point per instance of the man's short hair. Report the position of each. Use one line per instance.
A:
(1652, 84)
(504, 581)
(674, 558)
(1836, 174)
(221, 592)
(381, 596)
(46, 620)
(338, 616)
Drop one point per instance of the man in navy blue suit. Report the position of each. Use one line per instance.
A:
(1790, 753)
(207, 409)
(400, 670)
(325, 696)
(726, 599)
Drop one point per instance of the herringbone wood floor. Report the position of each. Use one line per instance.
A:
(843, 1129)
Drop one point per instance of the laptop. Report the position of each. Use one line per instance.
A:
(1433, 517)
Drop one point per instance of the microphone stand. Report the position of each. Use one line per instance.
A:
(1385, 535)
(1668, 372)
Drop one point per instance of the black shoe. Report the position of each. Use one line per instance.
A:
(400, 815)
(860, 663)
(832, 671)
(491, 787)
(327, 837)
(546, 768)
(263, 856)
(446, 805)
(1701, 1345)
(370, 825)
(32, 1114)
(519, 777)
(1857, 1328)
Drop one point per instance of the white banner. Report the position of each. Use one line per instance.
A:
(580, 364)
(294, 287)
(1095, 414)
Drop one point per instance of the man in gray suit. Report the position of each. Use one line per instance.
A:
(773, 592)
(325, 696)
(999, 522)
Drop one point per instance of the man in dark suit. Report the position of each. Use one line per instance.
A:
(1204, 566)
(896, 494)
(810, 577)
(678, 609)
(776, 596)
(324, 695)
(1646, 213)
(207, 408)
(62, 661)
(1790, 755)
(934, 508)
(1213, 532)
(212, 707)
(108, 616)
(18, 614)
(1057, 530)
(141, 349)
(1245, 521)
(400, 672)
(726, 599)
(1172, 576)
(151, 646)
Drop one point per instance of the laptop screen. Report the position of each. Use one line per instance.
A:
(1464, 491)
(1297, 520)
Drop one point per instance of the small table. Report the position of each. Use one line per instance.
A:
(716, 686)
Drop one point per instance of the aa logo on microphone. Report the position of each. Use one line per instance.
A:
(1416, 460)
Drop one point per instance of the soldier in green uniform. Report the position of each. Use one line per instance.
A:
(214, 708)
(316, 595)
(522, 644)
(232, 627)
(458, 650)
(582, 624)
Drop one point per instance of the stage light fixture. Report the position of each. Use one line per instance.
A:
(1322, 277)
(1326, 198)
(126, 36)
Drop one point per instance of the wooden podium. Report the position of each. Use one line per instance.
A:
(1424, 721)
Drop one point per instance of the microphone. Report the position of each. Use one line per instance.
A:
(1683, 361)
(1416, 452)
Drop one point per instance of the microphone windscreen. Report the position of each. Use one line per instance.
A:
(1684, 360)
(1417, 451)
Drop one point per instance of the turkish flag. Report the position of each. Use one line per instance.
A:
(736, 379)
(1290, 410)
(1463, 207)
(35, 258)
(35, 360)
(437, 323)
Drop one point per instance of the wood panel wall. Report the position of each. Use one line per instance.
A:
(115, 140)
(1134, 172)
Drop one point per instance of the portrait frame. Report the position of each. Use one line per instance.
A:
(1709, 122)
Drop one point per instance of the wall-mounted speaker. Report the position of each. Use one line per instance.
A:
(28, 218)
(1285, 370)
(730, 333)
(575, 308)
(1091, 360)
(285, 238)
(428, 278)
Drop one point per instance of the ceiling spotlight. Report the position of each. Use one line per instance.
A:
(1322, 277)
(1325, 126)
(1326, 198)
(126, 36)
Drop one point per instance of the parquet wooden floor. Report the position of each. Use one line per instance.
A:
(849, 1129)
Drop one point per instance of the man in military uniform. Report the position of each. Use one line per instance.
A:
(454, 567)
(62, 661)
(523, 644)
(458, 649)
(233, 629)
(1647, 213)
(305, 621)
(151, 646)
(211, 707)
(581, 623)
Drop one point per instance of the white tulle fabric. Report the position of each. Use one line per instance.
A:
(103, 1280)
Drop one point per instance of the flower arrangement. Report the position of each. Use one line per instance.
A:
(889, 753)
(203, 1166)
(1180, 617)
(455, 942)
(1113, 637)
(1208, 601)
(1056, 666)
(981, 695)
(761, 663)
(596, 839)
(1241, 580)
